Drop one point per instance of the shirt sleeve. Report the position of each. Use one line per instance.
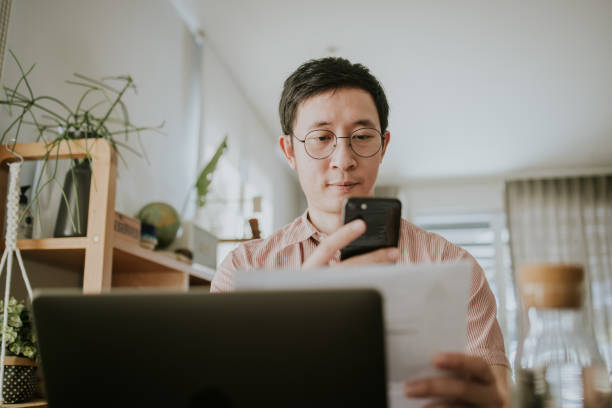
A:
(224, 277)
(484, 336)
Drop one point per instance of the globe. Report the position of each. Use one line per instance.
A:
(165, 219)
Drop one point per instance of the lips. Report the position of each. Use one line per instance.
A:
(343, 187)
(343, 184)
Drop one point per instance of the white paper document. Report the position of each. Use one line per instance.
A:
(425, 308)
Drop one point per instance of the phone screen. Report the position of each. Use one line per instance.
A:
(382, 217)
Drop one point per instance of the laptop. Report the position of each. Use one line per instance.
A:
(304, 348)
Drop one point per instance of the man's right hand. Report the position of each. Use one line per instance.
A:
(328, 248)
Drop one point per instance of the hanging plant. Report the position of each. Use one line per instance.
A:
(99, 113)
(19, 382)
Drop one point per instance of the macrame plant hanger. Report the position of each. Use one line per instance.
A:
(12, 218)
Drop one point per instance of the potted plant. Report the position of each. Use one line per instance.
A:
(99, 113)
(20, 381)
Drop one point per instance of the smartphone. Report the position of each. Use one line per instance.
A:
(382, 217)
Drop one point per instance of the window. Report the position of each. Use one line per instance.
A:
(485, 236)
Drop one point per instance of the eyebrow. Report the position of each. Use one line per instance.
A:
(360, 122)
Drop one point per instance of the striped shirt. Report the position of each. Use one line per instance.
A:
(290, 246)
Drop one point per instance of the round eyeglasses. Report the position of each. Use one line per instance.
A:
(320, 144)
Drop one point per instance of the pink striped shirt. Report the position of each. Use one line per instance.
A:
(290, 246)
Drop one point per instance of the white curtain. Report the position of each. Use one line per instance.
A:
(568, 220)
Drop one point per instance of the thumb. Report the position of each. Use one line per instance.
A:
(335, 242)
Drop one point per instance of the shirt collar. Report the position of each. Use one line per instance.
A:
(302, 230)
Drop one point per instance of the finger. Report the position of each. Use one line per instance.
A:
(472, 366)
(328, 248)
(461, 390)
(383, 255)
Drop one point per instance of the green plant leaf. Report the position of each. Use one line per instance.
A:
(95, 81)
(15, 348)
(24, 75)
(14, 320)
(205, 177)
(29, 352)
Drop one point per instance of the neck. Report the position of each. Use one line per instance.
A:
(325, 222)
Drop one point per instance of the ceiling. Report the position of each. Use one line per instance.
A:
(477, 88)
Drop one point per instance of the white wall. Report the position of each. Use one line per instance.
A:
(452, 196)
(143, 38)
(252, 147)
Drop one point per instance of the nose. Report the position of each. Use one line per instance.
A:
(343, 157)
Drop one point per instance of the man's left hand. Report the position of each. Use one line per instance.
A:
(471, 383)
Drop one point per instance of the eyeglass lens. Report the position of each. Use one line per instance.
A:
(321, 143)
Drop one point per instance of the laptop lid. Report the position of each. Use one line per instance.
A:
(321, 348)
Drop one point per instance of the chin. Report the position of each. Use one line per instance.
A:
(335, 203)
(331, 204)
(353, 193)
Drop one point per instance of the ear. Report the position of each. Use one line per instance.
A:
(285, 144)
(387, 137)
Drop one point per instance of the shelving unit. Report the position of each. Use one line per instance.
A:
(106, 260)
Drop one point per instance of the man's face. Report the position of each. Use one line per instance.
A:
(327, 182)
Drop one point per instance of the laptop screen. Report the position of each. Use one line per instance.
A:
(322, 348)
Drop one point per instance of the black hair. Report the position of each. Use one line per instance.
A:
(320, 75)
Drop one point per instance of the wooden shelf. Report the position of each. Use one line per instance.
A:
(130, 257)
(39, 403)
(132, 264)
(52, 243)
(68, 253)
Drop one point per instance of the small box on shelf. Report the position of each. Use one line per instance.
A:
(128, 228)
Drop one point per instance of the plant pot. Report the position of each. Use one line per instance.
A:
(20, 382)
(76, 189)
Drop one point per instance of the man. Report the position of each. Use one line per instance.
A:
(334, 117)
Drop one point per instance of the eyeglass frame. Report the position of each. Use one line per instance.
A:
(382, 142)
